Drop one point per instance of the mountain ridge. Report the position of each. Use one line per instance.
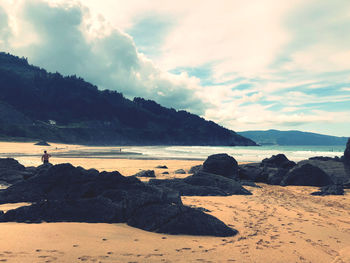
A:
(292, 137)
(37, 104)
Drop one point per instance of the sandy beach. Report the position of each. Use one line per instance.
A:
(275, 224)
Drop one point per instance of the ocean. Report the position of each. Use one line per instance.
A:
(241, 154)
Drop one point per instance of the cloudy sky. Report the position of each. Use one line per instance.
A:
(247, 65)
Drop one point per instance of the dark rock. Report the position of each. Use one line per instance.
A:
(307, 175)
(42, 143)
(251, 172)
(221, 164)
(65, 181)
(324, 158)
(1, 213)
(11, 171)
(195, 169)
(346, 156)
(334, 189)
(278, 161)
(249, 183)
(203, 184)
(92, 210)
(346, 184)
(275, 175)
(338, 171)
(72, 194)
(165, 172)
(13, 176)
(199, 208)
(162, 167)
(180, 171)
(179, 220)
(11, 164)
(145, 173)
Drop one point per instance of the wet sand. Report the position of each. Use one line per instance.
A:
(275, 224)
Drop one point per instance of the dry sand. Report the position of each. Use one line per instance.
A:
(275, 224)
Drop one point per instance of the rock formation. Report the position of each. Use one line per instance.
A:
(72, 194)
(203, 184)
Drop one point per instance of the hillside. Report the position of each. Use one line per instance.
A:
(275, 137)
(36, 104)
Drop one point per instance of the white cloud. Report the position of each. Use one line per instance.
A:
(65, 37)
(281, 52)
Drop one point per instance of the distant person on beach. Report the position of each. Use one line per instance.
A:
(45, 157)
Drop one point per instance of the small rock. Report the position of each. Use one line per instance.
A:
(180, 171)
(42, 143)
(162, 167)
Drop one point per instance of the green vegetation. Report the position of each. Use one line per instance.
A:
(48, 106)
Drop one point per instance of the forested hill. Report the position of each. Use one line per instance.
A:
(40, 105)
(275, 137)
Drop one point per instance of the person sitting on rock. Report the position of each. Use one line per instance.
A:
(45, 157)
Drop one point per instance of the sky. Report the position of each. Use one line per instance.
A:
(247, 65)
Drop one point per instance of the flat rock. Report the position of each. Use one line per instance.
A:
(162, 167)
(203, 184)
(330, 190)
(145, 173)
(179, 220)
(180, 171)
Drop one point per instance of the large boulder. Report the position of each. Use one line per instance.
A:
(203, 184)
(72, 194)
(278, 161)
(307, 175)
(336, 170)
(221, 164)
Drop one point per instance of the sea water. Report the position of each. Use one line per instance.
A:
(240, 153)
